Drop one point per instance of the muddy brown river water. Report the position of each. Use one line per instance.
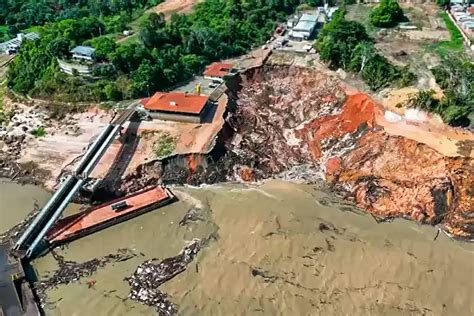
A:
(281, 249)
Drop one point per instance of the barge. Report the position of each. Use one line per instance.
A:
(108, 214)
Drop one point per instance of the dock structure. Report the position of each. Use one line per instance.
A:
(102, 216)
(16, 296)
(50, 213)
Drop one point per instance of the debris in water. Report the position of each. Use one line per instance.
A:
(71, 271)
(193, 215)
(267, 277)
(146, 280)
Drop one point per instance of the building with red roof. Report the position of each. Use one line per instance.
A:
(176, 106)
(218, 71)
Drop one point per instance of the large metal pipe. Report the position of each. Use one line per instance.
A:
(95, 159)
(44, 211)
(54, 217)
(92, 149)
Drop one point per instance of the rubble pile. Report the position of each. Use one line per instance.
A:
(273, 105)
(146, 280)
(71, 271)
(18, 129)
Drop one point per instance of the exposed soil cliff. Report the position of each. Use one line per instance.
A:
(301, 124)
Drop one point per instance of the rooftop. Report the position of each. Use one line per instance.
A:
(19, 38)
(309, 17)
(218, 69)
(83, 50)
(305, 26)
(178, 102)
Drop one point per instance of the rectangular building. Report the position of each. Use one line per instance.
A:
(305, 27)
(177, 106)
(83, 52)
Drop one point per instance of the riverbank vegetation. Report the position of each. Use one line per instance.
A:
(168, 52)
(346, 44)
(454, 75)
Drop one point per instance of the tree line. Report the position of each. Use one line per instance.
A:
(346, 44)
(454, 75)
(21, 14)
(167, 52)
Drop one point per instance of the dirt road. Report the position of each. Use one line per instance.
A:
(167, 7)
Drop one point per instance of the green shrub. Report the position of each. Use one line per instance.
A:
(387, 14)
(38, 132)
(164, 146)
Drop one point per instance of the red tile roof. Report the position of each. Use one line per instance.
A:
(217, 69)
(178, 102)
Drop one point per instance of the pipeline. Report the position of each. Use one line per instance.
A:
(40, 218)
(91, 150)
(78, 184)
(94, 160)
(51, 211)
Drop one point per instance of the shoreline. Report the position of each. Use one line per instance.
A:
(327, 134)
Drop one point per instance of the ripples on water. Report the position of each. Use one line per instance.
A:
(281, 249)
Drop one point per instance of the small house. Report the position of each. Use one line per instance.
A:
(83, 53)
(177, 106)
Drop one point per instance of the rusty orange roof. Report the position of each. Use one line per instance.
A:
(178, 102)
(102, 214)
(218, 69)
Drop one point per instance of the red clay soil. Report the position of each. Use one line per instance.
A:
(357, 109)
(394, 176)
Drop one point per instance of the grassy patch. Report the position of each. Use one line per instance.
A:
(34, 28)
(164, 146)
(361, 13)
(454, 44)
(38, 132)
(135, 27)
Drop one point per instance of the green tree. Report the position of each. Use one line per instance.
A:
(387, 14)
(338, 39)
(112, 92)
(104, 47)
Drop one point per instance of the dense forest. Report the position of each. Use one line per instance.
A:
(21, 14)
(167, 53)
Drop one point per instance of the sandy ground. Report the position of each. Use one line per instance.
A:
(169, 7)
(61, 145)
(432, 132)
(174, 6)
(442, 138)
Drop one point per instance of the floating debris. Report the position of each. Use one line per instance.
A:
(193, 215)
(151, 274)
(71, 271)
